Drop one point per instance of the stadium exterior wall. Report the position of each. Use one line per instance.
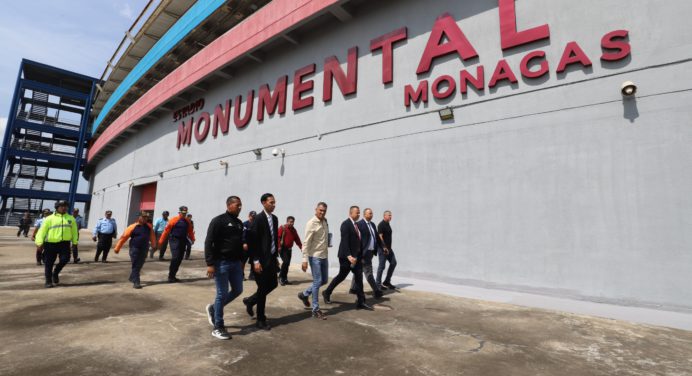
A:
(555, 185)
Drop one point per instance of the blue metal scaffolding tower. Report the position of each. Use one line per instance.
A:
(44, 149)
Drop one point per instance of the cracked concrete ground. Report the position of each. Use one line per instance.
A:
(95, 323)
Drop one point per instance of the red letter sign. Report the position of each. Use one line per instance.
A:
(299, 87)
(348, 84)
(241, 123)
(573, 54)
(185, 132)
(526, 61)
(386, 43)
(457, 42)
(615, 40)
(416, 96)
(502, 72)
(510, 37)
(221, 119)
(266, 100)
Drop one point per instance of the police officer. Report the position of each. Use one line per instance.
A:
(80, 225)
(105, 231)
(57, 233)
(37, 225)
(177, 231)
(159, 226)
(141, 235)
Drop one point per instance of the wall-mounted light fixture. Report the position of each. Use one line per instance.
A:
(258, 152)
(196, 165)
(628, 89)
(446, 114)
(278, 151)
(223, 163)
(160, 174)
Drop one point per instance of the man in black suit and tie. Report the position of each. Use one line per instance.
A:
(263, 249)
(370, 243)
(350, 254)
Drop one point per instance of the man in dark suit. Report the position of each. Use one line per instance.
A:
(350, 254)
(263, 247)
(370, 243)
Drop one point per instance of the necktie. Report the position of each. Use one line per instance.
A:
(372, 235)
(271, 231)
(357, 231)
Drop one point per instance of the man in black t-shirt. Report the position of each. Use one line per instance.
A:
(223, 253)
(384, 231)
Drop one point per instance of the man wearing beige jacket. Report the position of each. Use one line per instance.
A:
(315, 248)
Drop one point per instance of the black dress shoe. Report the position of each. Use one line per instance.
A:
(282, 283)
(56, 280)
(327, 297)
(364, 306)
(248, 307)
(137, 286)
(378, 294)
(49, 285)
(389, 286)
(262, 324)
(304, 299)
(173, 280)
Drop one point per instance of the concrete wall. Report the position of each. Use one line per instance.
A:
(555, 185)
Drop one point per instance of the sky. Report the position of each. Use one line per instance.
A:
(77, 35)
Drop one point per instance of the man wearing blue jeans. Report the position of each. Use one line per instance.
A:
(384, 231)
(315, 249)
(223, 253)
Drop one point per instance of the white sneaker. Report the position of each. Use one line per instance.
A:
(220, 333)
(210, 314)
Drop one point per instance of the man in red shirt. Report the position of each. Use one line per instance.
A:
(287, 236)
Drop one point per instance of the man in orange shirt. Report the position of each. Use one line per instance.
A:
(141, 234)
(177, 231)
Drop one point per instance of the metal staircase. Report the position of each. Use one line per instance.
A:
(45, 140)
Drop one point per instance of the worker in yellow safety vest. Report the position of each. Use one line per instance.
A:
(55, 238)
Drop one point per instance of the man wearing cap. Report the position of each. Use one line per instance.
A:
(105, 231)
(177, 231)
(246, 228)
(159, 226)
(37, 225)
(54, 237)
(141, 235)
(24, 225)
(80, 225)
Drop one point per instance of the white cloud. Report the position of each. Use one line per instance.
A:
(3, 123)
(126, 11)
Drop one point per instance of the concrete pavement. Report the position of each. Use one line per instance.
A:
(95, 323)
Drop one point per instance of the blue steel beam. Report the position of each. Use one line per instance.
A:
(84, 126)
(54, 90)
(9, 128)
(46, 128)
(45, 156)
(45, 195)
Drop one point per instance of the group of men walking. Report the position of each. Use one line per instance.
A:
(57, 234)
(228, 242)
(229, 245)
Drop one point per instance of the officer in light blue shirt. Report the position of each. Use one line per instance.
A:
(80, 225)
(159, 226)
(104, 232)
(37, 225)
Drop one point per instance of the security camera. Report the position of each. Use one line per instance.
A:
(275, 152)
(628, 89)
